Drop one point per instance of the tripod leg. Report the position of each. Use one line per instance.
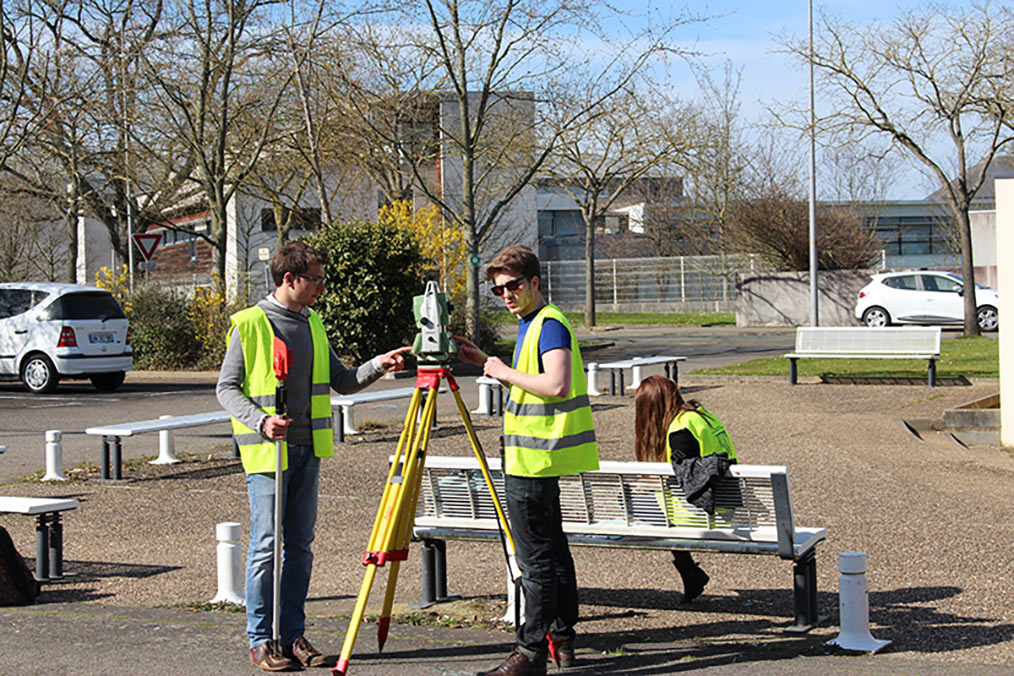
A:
(381, 532)
(405, 517)
(474, 440)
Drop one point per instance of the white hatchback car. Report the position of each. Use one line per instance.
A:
(52, 331)
(923, 297)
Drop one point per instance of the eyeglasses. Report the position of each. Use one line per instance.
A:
(316, 280)
(511, 286)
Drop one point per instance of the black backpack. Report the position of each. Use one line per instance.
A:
(18, 586)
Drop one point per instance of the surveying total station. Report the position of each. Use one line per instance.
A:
(392, 528)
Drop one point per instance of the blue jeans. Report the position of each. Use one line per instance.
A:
(299, 515)
(548, 579)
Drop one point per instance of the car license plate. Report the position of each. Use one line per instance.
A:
(100, 337)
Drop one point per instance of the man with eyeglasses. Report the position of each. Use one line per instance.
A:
(548, 432)
(246, 389)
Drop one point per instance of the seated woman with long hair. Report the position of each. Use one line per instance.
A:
(668, 428)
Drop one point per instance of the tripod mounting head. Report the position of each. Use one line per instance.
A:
(433, 343)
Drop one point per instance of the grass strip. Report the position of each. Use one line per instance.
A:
(971, 357)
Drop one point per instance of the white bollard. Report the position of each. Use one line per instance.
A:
(166, 446)
(484, 407)
(593, 373)
(54, 456)
(854, 606)
(514, 599)
(230, 560)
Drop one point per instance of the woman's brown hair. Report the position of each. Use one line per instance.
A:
(657, 403)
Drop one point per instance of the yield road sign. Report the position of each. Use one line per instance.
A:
(147, 242)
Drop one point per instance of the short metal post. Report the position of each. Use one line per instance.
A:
(792, 371)
(499, 401)
(54, 456)
(229, 559)
(339, 425)
(932, 372)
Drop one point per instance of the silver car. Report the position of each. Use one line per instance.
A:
(51, 331)
(923, 297)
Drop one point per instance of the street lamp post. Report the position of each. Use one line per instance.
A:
(814, 317)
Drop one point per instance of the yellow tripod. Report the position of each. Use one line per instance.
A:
(392, 528)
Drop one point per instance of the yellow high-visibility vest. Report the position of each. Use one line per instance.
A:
(257, 339)
(549, 436)
(712, 437)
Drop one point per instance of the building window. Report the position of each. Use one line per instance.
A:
(304, 218)
(911, 235)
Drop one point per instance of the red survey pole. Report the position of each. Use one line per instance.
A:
(282, 360)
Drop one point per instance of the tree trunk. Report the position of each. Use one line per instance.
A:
(968, 272)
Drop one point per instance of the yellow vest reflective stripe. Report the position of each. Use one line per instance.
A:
(712, 437)
(549, 436)
(257, 340)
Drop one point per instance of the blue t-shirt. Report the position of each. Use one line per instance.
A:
(554, 336)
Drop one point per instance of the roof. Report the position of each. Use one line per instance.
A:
(50, 287)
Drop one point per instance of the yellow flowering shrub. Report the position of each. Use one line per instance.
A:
(117, 282)
(443, 246)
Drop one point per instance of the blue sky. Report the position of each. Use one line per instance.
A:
(747, 34)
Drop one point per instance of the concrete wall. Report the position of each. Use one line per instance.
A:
(783, 298)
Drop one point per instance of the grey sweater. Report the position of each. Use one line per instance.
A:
(294, 329)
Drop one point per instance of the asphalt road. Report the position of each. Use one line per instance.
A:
(76, 406)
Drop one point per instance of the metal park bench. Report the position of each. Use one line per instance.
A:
(345, 403)
(112, 435)
(48, 530)
(636, 364)
(910, 342)
(628, 505)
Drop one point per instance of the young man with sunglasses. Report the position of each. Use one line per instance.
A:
(246, 389)
(548, 432)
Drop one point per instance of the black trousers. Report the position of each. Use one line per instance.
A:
(548, 580)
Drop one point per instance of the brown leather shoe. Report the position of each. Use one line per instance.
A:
(304, 653)
(268, 657)
(565, 658)
(518, 664)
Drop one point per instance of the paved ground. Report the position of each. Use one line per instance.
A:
(934, 521)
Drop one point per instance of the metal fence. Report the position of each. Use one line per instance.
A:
(635, 282)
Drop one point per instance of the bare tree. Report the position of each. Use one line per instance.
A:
(481, 77)
(932, 82)
(632, 135)
(210, 88)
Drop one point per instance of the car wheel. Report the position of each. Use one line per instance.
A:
(988, 318)
(107, 382)
(876, 316)
(39, 375)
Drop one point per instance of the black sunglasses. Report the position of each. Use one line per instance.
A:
(511, 286)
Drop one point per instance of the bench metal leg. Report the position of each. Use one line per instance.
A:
(434, 574)
(932, 372)
(792, 371)
(621, 382)
(104, 460)
(612, 382)
(55, 547)
(117, 459)
(42, 548)
(805, 594)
